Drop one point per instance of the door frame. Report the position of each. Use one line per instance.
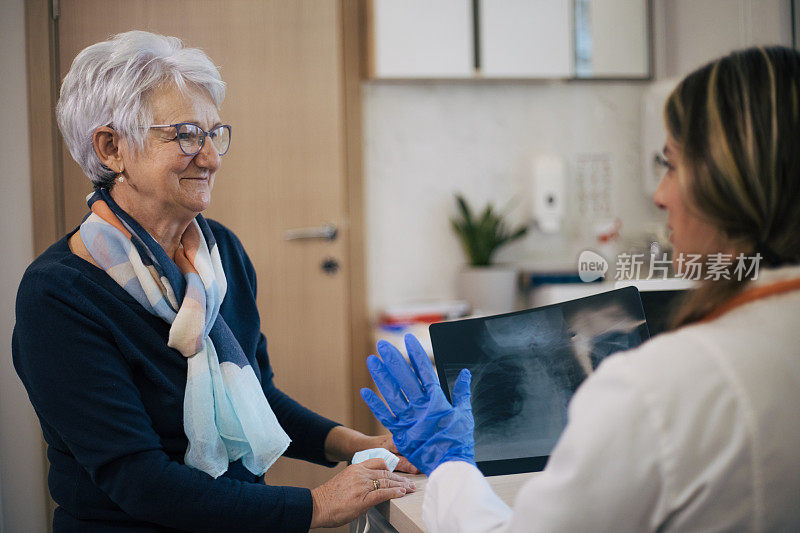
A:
(41, 40)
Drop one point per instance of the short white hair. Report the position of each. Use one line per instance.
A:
(109, 84)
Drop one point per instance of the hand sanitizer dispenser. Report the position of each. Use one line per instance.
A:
(549, 180)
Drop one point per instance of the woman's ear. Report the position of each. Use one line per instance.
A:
(106, 143)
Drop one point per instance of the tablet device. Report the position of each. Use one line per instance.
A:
(527, 365)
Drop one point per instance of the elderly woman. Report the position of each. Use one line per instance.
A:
(138, 337)
(698, 429)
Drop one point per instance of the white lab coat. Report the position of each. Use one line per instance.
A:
(696, 430)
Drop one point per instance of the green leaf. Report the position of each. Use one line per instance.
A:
(465, 211)
(481, 237)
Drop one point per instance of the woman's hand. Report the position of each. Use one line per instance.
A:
(342, 443)
(352, 491)
(426, 428)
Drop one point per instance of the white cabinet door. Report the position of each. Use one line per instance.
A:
(422, 39)
(611, 39)
(525, 38)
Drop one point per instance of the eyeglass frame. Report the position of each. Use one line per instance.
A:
(177, 125)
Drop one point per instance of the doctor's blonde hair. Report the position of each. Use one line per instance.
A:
(737, 123)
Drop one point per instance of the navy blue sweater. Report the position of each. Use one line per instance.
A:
(109, 396)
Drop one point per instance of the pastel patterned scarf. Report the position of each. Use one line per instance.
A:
(226, 416)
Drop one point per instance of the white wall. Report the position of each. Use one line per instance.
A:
(425, 141)
(23, 500)
(698, 31)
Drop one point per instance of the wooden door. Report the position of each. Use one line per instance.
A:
(290, 165)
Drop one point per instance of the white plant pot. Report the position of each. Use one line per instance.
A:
(489, 290)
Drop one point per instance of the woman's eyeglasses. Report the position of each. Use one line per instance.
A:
(660, 160)
(192, 137)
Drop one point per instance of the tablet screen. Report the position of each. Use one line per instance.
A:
(527, 365)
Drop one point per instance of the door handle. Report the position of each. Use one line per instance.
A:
(328, 232)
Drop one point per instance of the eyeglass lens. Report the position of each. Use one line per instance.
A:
(191, 138)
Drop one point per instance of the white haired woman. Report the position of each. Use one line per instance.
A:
(138, 337)
(697, 429)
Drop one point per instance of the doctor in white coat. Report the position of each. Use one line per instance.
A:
(699, 428)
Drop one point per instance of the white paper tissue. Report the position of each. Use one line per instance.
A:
(388, 457)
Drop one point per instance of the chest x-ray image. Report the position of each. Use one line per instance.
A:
(526, 366)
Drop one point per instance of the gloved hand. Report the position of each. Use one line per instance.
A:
(426, 428)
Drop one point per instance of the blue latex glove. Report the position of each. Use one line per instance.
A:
(426, 428)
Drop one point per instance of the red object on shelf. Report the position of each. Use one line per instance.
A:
(423, 312)
(423, 318)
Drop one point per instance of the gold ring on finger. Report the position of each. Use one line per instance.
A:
(375, 484)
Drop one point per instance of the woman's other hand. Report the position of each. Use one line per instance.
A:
(342, 443)
(386, 441)
(352, 491)
(426, 428)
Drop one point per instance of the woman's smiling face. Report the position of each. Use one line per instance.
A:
(173, 183)
(689, 233)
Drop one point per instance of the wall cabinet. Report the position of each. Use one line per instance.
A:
(612, 39)
(517, 39)
(420, 39)
(525, 38)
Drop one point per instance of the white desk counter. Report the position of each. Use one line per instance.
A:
(405, 514)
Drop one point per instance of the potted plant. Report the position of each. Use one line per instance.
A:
(488, 288)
